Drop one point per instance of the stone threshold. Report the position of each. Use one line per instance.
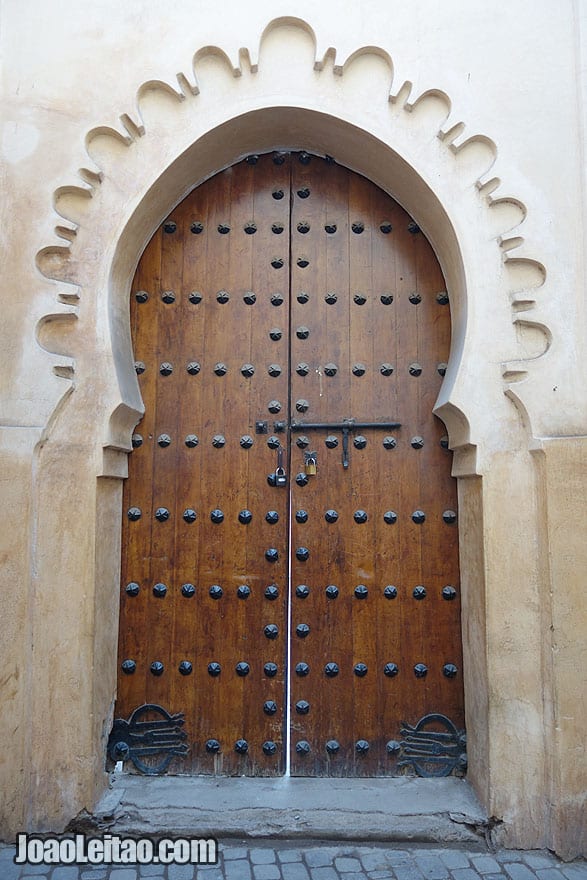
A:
(393, 809)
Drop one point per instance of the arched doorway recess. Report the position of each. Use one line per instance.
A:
(290, 575)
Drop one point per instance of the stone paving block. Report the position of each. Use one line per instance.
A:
(397, 857)
(536, 859)
(549, 874)
(381, 875)
(122, 874)
(518, 871)
(32, 876)
(454, 858)
(210, 872)
(69, 872)
(289, 855)
(485, 865)
(234, 852)
(319, 856)
(99, 872)
(575, 872)
(294, 871)
(372, 861)
(151, 870)
(494, 877)
(262, 856)
(509, 855)
(347, 865)
(410, 871)
(464, 874)
(326, 872)
(237, 869)
(10, 871)
(431, 866)
(181, 872)
(267, 872)
(355, 875)
(31, 870)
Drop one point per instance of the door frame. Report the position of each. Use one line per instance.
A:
(448, 191)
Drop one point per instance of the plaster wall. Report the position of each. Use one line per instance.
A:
(473, 118)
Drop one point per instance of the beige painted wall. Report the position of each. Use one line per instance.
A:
(506, 214)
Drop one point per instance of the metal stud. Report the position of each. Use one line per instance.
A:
(166, 369)
(330, 369)
(220, 369)
(271, 554)
(275, 334)
(217, 516)
(419, 517)
(277, 228)
(413, 227)
(393, 747)
(273, 442)
(188, 590)
(157, 668)
(330, 228)
(139, 367)
(269, 747)
(222, 297)
(248, 370)
(169, 227)
(386, 227)
(303, 747)
(449, 593)
(302, 554)
(216, 591)
(241, 747)
(302, 630)
(389, 442)
(358, 227)
(193, 368)
(128, 666)
(218, 441)
(189, 515)
(277, 194)
(441, 369)
(386, 299)
(223, 228)
(277, 262)
(419, 592)
(359, 369)
(270, 670)
(415, 298)
(141, 296)
(386, 369)
(249, 298)
(214, 669)
(332, 747)
(361, 591)
(331, 670)
(360, 442)
(301, 516)
(417, 442)
(274, 406)
(331, 591)
(302, 591)
(212, 746)
(272, 517)
(136, 440)
(197, 228)
(303, 262)
(270, 707)
(360, 516)
(277, 299)
(160, 591)
(303, 192)
(246, 441)
(250, 228)
(305, 158)
(444, 441)
(302, 405)
(302, 669)
(168, 296)
(191, 440)
(132, 589)
(274, 370)
(331, 516)
(450, 517)
(242, 669)
(420, 670)
(359, 299)
(302, 479)
(331, 298)
(134, 513)
(449, 670)
(271, 592)
(185, 667)
(331, 441)
(271, 631)
(390, 670)
(302, 369)
(415, 369)
(361, 747)
(303, 297)
(252, 159)
(195, 297)
(243, 592)
(360, 670)
(390, 592)
(302, 332)
(161, 514)
(442, 298)
(302, 707)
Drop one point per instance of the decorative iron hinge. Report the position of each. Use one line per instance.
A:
(432, 752)
(136, 739)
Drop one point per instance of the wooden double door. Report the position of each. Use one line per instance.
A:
(290, 536)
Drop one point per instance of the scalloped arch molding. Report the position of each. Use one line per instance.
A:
(286, 95)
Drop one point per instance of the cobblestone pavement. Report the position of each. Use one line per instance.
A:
(295, 860)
